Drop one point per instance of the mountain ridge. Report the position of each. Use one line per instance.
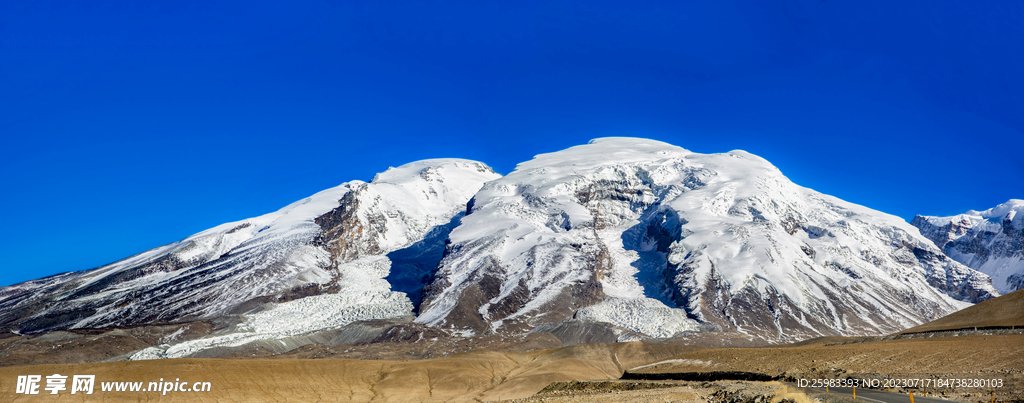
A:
(594, 221)
(287, 247)
(990, 241)
(630, 238)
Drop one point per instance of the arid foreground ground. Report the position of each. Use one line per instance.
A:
(935, 357)
(489, 376)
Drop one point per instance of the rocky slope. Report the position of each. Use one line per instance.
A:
(990, 241)
(658, 241)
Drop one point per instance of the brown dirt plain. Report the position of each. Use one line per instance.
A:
(497, 370)
(490, 375)
(972, 357)
(473, 376)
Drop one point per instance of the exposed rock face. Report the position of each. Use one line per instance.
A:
(990, 241)
(658, 240)
(334, 242)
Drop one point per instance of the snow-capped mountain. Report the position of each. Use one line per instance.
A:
(336, 242)
(627, 237)
(990, 241)
(659, 240)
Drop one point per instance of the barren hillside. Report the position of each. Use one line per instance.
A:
(1007, 310)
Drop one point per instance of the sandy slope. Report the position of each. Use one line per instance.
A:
(666, 391)
(997, 356)
(948, 354)
(1007, 310)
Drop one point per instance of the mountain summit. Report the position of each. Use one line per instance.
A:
(990, 241)
(658, 240)
(335, 243)
(618, 239)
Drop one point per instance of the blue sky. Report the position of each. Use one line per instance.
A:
(129, 125)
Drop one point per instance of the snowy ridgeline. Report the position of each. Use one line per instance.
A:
(284, 255)
(990, 241)
(413, 201)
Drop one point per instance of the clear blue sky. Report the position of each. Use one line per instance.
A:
(129, 125)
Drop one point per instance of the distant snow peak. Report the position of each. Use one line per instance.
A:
(1008, 211)
(433, 170)
(990, 241)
